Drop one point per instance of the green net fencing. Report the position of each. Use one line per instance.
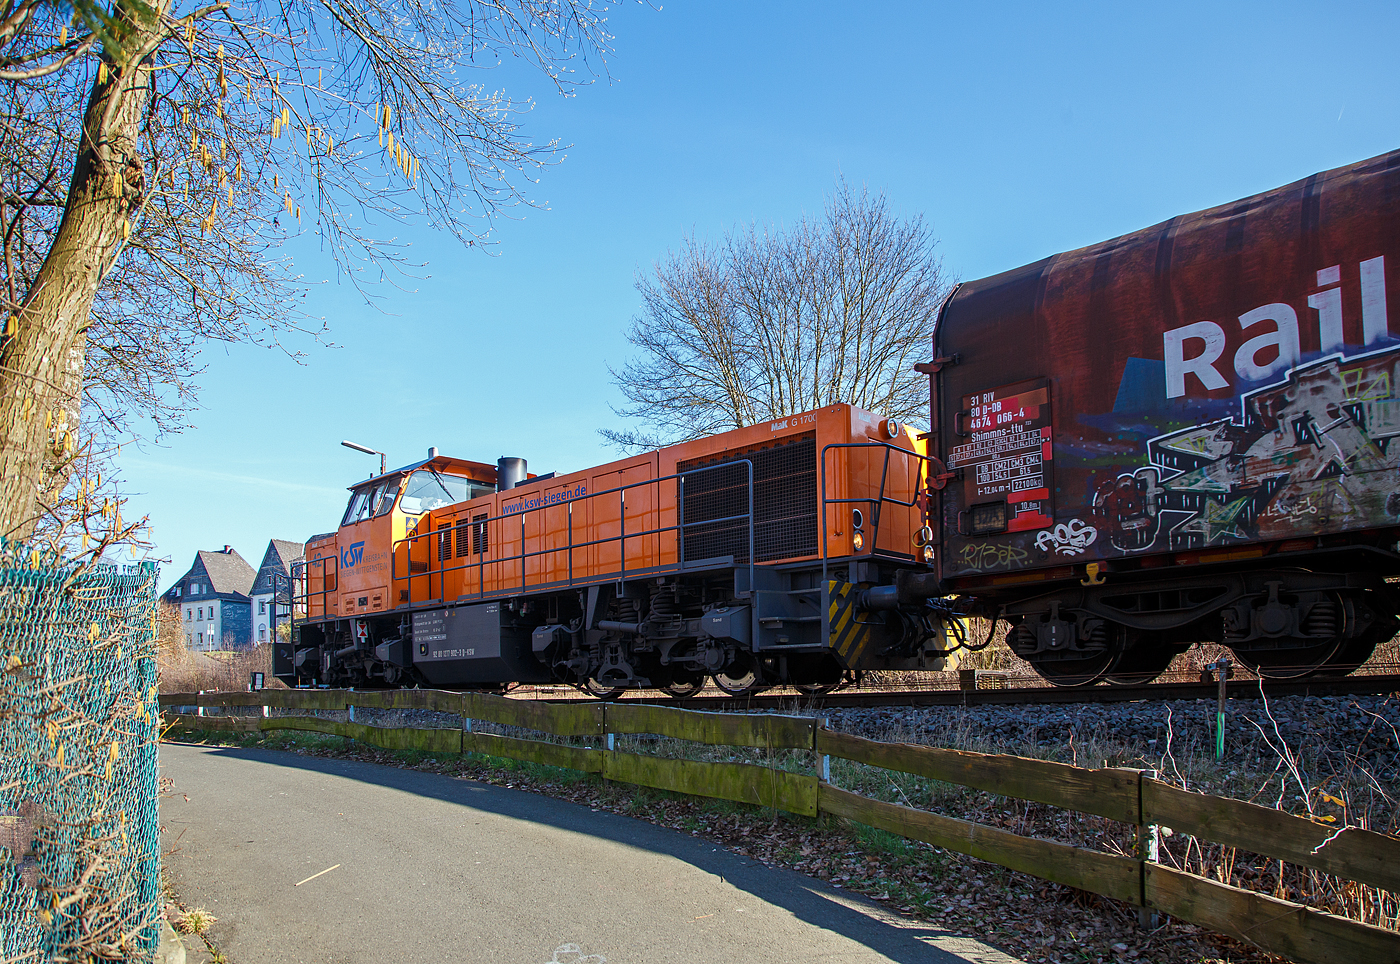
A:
(79, 732)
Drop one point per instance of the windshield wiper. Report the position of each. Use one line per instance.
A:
(442, 485)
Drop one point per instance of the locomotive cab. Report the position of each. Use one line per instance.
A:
(348, 574)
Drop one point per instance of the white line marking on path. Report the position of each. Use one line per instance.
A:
(314, 876)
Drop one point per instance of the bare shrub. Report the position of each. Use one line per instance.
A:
(182, 671)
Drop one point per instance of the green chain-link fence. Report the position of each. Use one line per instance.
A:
(79, 730)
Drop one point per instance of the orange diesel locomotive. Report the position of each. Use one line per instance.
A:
(793, 551)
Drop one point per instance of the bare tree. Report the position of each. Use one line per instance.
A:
(154, 158)
(771, 322)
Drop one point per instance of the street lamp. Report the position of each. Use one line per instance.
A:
(383, 465)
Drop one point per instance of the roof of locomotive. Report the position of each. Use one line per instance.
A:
(477, 471)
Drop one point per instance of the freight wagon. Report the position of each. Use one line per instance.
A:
(1182, 435)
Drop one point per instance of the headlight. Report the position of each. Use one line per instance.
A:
(857, 541)
(928, 554)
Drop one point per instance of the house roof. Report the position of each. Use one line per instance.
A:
(288, 551)
(227, 571)
(277, 561)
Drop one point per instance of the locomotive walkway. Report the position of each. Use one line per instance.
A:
(431, 868)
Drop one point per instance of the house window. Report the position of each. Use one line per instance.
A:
(262, 633)
(262, 606)
(188, 639)
(201, 612)
(201, 639)
(189, 614)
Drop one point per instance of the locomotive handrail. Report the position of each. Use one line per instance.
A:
(300, 574)
(874, 502)
(621, 538)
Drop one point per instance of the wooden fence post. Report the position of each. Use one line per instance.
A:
(825, 775)
(609, 745)
(1148, 841)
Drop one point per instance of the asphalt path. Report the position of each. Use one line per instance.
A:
(435, 868)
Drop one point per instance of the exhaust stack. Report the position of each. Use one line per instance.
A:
(510, 472)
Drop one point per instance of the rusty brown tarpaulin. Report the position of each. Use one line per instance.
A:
(1218, 380)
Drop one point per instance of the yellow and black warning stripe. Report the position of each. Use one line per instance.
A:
(848, 634)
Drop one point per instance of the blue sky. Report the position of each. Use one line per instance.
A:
(1016, 130)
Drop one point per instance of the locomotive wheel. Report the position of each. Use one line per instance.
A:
(684, 686)
(601, 690)
(816, 689)
(739, 678)
(737, 685)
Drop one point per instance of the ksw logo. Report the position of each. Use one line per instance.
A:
(351, 555)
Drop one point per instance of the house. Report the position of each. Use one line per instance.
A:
(270, 595)
(215, 609)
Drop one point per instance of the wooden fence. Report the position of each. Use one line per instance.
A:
(1292, 930)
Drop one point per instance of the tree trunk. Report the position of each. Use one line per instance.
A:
(41, 364)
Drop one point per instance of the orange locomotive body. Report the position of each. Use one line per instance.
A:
(792, 551)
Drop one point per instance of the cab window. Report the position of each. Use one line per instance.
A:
(429, 490)
(384, 497)
(370, 502)
(355, 511)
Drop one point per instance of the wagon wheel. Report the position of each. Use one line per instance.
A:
(1292, 663)
(1068, 671)
(1359, 648)
(1142, 664)
(1302, 656)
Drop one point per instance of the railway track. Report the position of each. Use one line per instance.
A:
(1176, 690)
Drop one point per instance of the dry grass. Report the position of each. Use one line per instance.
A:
(196, 921)
(180, 670)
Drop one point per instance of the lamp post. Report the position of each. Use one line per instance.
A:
(383, 464)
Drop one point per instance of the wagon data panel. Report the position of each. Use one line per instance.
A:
(1006, 459)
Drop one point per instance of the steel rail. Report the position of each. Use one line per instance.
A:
(782, 698)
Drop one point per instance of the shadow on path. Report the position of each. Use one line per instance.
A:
(810, 900)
